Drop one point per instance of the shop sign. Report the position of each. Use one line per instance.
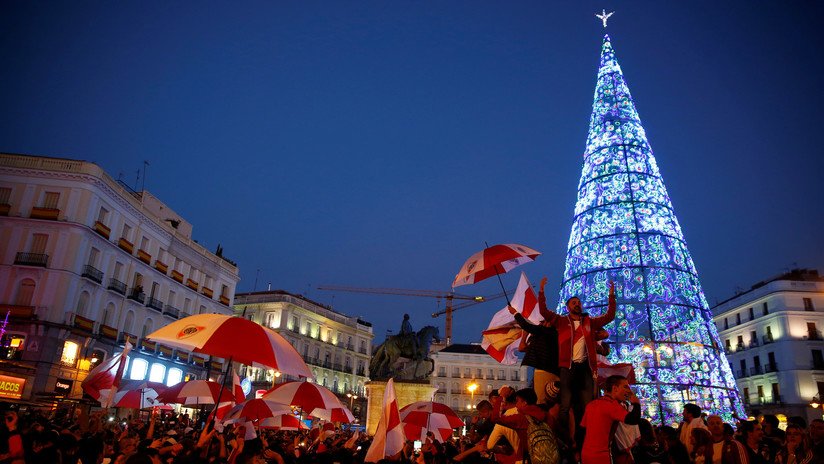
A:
(63, 386)
(11, 387)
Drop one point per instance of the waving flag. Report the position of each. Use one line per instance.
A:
(389, 437)
(500, 337)
(101, 383)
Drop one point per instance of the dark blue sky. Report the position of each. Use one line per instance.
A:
(379, 144)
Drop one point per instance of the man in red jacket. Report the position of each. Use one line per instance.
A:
(577, 358)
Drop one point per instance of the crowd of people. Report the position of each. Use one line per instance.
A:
(566, 417)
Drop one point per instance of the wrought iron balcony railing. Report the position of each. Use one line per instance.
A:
(31, 259)
(117, 286)
(92, 273)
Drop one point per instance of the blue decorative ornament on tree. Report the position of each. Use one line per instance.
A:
(625, 230)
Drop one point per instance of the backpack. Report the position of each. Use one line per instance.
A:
(541, 443)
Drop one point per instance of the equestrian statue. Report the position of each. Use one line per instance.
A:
(409, 345)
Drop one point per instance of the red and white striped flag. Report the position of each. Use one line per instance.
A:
(237, 392)
(502, 334)
(389, 438)
(101, 383)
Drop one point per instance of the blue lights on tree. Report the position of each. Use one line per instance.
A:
(625, 230)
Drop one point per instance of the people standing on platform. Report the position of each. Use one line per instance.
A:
(540, 352)
(577, 358)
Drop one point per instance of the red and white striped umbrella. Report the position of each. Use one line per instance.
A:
(497, 259)
(256, 409)
(138, 394)
(417, 432)
(428, 416)
(334, 415)
(195, 392)
(237, 338)
(284, 422)
(307, 395)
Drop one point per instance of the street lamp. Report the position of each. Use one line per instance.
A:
(472, 387)
(816, 402)
(351, 399)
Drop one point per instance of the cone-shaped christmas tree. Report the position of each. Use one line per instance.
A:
(625, 230)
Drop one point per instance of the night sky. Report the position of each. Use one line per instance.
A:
(380, 143)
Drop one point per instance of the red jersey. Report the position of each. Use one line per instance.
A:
(599, 417)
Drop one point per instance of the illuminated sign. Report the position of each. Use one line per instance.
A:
(63, 386)
(11, 387)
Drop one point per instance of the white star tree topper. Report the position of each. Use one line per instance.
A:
(604, 16)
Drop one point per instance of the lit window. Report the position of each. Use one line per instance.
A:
(157, 373)
(175, 376)
(139, 368)
(70, 350)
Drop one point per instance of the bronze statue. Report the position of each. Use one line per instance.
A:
(409, 345)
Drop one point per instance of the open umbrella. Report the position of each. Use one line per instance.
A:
(256, 409)
(307, 395)
(492, 261)
(233, 338)
(138, 394)
(428, 416)
(283, 422)
(196, 392)
(342, 414)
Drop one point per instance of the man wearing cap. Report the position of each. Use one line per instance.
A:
(577, 358)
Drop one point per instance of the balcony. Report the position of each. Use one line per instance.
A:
(126, 337)
(126, 245)
(102, 229)
(154, 303)
(207, 291)
(177, 276)
(161, 266)
(83, 324)
(770, 368)
(775, 399)
(224, 300)
(741, 373)
(755, 370)
(117, 286)
(31, 259)
(767, 338)
(146, 345)
(92, 273)
(171, 311)
(362, 350)
(145, 257)
(109, 333)
(165, 351)
(740, 347)
(39, 212)
(18, 311)
(137, 295)
(350, 347)
(361, 372)
(813, 335)
(817, 365)
(753, 343)
(191, 284)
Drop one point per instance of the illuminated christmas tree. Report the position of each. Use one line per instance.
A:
(625, 230)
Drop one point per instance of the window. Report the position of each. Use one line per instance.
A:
(157, 373)
(812, 331)
(765, 309)
(107, 313)
(118, 270)
(102, 215)
(746, 395)
(139, 369)
(93, 255)
(761, 393)
(490, 374)
(776, 393)
(501, 375)
(5, 195)
(50, 200)
(70, 351)
(127, 325)
(82, 304)
(12, 345)
(175, 376)
(147, 328)
(818, 359)
(144, 244)
(769, 336)
(442, 371)
(479, 373)
(808, 304)
(127, 231)
(467, 372)
(516, 375)
(456, 372)
(740, 343)
(743, 364)
(295, 323)
(738, 318)
(753, 338)
(38, 243)
(752, 314)
(727, 343)
(726, 323)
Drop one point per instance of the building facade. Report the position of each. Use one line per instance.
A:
(87, 264)
(772, 336)
(336, 347)
(458, 366)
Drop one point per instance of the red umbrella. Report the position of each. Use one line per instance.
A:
(256, 409)
(138, 394)
(428, 416)
(492, 261)
(283, 422)
(307, 395)
(334, 415)
(234, 338)
(417, 432)
(196, 392)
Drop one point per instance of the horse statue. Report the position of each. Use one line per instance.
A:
(413, 346)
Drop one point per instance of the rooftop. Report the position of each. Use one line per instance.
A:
(794, 275)
(464, 348)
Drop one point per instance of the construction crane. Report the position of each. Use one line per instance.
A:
(449, 297)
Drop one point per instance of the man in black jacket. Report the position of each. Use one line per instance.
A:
(541, 352)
